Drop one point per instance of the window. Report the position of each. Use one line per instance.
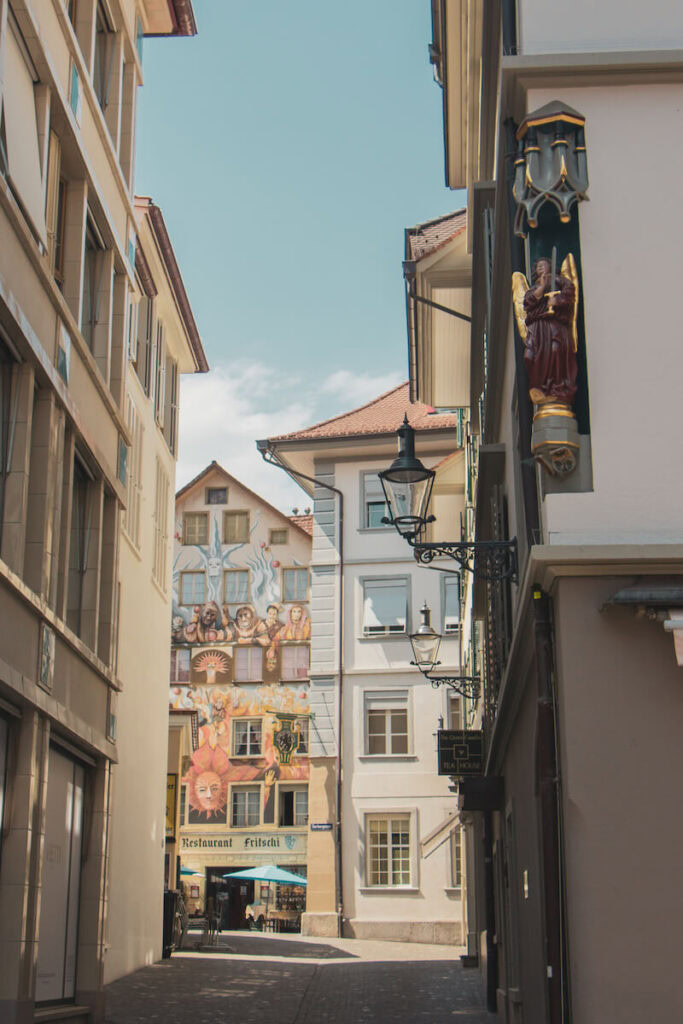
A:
(246, 737)
(386, 722)
(374, 506)
(295, 662)
(216, 495)
(131, 520)
(303, 735)
(81, 514)
(246, 806)
(236, 586)
(385, 607)
(196, 528)
(170, 428)
(160, 375)
(235, 527)
(293, 805)
(278, 536)
(454, 713)
(192, 587)
(248, 664)
(161, 526)
(451, 604)
(105, 39)
(456, 857)
(183, 805)
(180, 665)
(145, 336)
(295, 584)
(388, 845)
(93, 266)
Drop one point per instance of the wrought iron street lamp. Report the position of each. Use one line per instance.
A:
(407, 486)
(425, 644)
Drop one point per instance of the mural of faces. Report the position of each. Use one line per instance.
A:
(298, 625)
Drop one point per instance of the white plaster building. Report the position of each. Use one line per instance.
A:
(400, 845)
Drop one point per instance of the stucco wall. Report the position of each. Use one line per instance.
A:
(621, 718)
(608, 26)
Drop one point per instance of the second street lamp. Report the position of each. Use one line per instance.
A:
(425, 643)
(407, 486)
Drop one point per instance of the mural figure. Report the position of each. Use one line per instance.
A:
(213, 663)
(205, 626)
(207, 782)
(178, 627)
(298, 625)
(247, 628)
(273, 622)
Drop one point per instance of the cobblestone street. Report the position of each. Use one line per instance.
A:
(301, 981)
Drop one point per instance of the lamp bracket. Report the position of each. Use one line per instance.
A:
(487, 559)
(466, 686)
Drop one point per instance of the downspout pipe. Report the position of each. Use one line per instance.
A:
(270, 455)
(549, 795)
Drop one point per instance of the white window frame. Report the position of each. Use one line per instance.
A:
(449, 580)
(300, 818)
(286, 653)
(234, 791)
(408, 815)
(456, 857)
(371, 491)
(253, 653)
(386, 632)
(249, 722)
(386, 702)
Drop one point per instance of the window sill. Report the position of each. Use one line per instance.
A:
(387, 757)
(453, 890)
(388, 890)
(374, 529)
(383, 637)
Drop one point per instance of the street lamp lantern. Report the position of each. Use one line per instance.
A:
(426, 642)
(407, 486)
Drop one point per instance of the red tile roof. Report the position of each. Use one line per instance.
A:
(303, 522)
(382, 415)
(424, 239)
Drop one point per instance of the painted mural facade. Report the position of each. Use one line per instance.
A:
(240, 659)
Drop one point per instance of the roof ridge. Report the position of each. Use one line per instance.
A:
(345, 415)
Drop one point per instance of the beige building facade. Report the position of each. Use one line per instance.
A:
(575, 909)
(70, 242)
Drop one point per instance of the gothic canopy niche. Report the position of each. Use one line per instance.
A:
(550, 166)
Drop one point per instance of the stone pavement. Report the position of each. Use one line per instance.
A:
(302, 981)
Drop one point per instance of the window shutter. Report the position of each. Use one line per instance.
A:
(54, 165)
(160, 393)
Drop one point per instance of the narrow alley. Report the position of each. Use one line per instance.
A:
(311, 981)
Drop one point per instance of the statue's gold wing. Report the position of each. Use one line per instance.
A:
(520, 286)
(568, 269)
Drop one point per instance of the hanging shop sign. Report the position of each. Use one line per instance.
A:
(267, 843)
(461, 752)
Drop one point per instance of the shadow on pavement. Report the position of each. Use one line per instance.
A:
(249, 944)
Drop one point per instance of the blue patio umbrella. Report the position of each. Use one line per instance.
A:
(190, 871)
(268, 873)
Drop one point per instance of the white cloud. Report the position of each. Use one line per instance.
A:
(224, 412)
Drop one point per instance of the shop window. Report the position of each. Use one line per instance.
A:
(295, 584)
(60, 880)
(236, 586)
(386, 723)
(192, 588)
(246, 806)
(373, 505)
(295, 662)
(388, 851)
(248, 664)
(451, 604)
(196, 528)
(235, 527)
(293, 805)
(180, 665)
(246, 737)
(385, 607)
(278, 536)
(456, 857)
(216, 495)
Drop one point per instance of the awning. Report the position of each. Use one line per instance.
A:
(438, 836)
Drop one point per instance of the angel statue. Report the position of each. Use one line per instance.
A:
(546, 318)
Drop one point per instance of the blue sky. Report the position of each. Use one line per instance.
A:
(289, 145)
